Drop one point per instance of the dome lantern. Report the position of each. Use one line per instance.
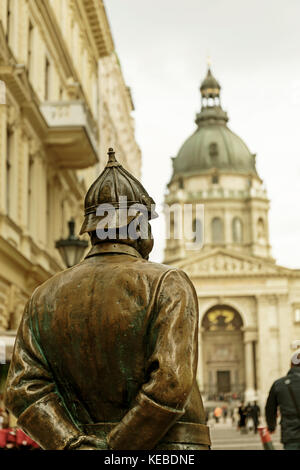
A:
(210, 88)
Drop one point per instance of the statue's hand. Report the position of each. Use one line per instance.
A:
(90, 443)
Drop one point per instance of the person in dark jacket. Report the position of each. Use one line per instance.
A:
(285, 395)
(243, 416)
(255, 414)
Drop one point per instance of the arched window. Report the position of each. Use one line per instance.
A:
(220, 318)
(180, 183)
(217, 230)
(172, 225)
(213, 152)
(215, 179)
(261, 231)
(198, 231)
(237, 230)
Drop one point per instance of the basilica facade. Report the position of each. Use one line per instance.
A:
(249, 307)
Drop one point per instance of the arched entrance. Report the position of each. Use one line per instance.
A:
(223, 353)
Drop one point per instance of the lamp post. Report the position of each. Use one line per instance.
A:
(72, 248)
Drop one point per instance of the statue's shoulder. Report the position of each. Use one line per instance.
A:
(161, 269)
(153, 266)
(57, 281)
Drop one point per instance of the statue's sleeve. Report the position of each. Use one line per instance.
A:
(31, 393)
(171, 366)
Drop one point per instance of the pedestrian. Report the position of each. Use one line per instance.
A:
(217, 413)
(285, 395)
(232, 416)
(243, 418)
(225, 413)
(255, 414)
(249, 419)
(235, 417)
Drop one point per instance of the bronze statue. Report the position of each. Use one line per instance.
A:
(106, 353)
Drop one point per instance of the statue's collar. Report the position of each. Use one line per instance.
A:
(120, 248)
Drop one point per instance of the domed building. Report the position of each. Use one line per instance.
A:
(217, 218)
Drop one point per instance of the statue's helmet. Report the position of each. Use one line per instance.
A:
(116, 197)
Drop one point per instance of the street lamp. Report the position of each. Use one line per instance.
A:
(72, 248)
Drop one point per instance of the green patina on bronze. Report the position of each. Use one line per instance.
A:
(106, 353)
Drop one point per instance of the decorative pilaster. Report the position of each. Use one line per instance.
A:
(23, 177)
(285, 332)
(200, 372)
(4, 301)
(227, 228)
(250, 393)
(3, 144)
(33, 189)
(267, 344)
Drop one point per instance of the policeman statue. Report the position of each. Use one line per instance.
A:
(106, 352)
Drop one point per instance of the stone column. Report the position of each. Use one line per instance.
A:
(285, 326)
(3, 144)
(250, 393)
(200, 374)
(32, 202)
(23, 178)
(264, 358)
(42, 202)
(227, 228)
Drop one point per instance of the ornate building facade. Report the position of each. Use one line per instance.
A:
(66, 102)
(249, 306)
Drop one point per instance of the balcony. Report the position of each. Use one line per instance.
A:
(67, 128)
(72, 136)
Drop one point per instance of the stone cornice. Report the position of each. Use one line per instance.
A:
(224, 263)
(97, 26)
(210, 172)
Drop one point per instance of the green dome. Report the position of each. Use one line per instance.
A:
(213, 144)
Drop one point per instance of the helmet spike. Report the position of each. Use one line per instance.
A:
(111, 155)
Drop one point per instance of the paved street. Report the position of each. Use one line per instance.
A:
(224, 436)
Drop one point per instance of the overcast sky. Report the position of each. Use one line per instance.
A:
(254, 46)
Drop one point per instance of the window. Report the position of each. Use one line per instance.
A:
(215, 179)
(9, 24)
(172, 225)
(237, 230)
(9, 169)
(261, 233)
(297, 315)
(30, 193)
(180, 183)
(47, 79)
(213, 152)
(217, 230)
(198, 231)
(30, 49)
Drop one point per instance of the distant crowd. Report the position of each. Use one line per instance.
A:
(245, 417)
